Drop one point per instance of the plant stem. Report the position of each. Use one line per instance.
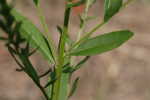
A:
(22, 67)
(83, 23)
(47, 72)
(61, 51)
(43, 91)
(87, 35)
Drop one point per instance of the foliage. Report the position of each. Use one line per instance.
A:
(23, 39)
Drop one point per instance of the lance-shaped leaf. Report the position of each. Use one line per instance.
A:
(29, 69)
(67, 38)
(102, 43)
(111, 8)
(32, 34)
(74, 87)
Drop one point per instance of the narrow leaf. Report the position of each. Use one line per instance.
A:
(29, 69)
(67, 38)
(32, 34)
(102, 43)
(74, 87)
(111, 8)
(52, 79)
(49, 90)
(71, 69)
(83, 61)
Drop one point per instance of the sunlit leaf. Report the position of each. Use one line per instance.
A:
(102, 43)
(32, 34)
(29, 69)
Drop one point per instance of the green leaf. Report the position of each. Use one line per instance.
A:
(67, 38)
(71, 69)
(102, 43)
(83, 61)
(49, 85)
(29, 69)
(32, 34)
(49, 90)
(111, 8)
(74, 87)
(36, 2)
(68, 69)
(52, 79)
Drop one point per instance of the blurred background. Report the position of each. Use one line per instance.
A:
(122, 74)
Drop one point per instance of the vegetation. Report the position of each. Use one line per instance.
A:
(23, 39)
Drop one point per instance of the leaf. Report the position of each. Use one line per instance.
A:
(32, 34)
(83, 61)
(102, 43)
(67, 38)
(111, 8)
(74, 87)
(36, 2)
(68, 69)
(49, 90)
(52, 79)
(29, 69)
(49, 85)
(71, 69)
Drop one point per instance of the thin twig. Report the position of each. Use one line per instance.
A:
(47, 72)
(21, 66)
(19, 70)
(78, 66)
(43, 91)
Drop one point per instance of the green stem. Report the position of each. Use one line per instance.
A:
(60, 63)
(87, 35)
(43, 91)
(83, 23)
